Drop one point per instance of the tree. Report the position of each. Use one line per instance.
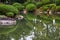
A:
(18, 6)
(45, 1)
(57, 2)
(31, 7)
(19, 1)
(39, 4)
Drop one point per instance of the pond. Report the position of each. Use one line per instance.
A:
(32, 27)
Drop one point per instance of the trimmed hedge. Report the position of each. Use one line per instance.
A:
(10, 14)
(31, 7)
(58, 8)
(18, 6)
(26, 3)
(51, 6)
(8, 8)
(45, 8)
(39, 4)
(45, 1)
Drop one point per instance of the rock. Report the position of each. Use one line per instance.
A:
(7, 21)
(20, 17)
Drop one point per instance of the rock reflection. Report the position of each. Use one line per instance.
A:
(12, 39)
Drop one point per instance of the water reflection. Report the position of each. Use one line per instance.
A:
(53, 21)
(12, 39)
(30, 36)
(40, 30)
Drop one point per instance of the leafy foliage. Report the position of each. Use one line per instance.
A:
(10, 14)
(57, 2)
(18, 6)
(45, 8)
(51, 6)
(31, 7)
(58, 8)
(39, 4)
(45, 1)
(8, 8)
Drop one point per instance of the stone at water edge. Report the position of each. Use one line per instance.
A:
(20, 17)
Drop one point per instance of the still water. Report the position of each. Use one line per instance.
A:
(30, 30)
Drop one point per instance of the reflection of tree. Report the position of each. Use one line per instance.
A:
(53, 34)
(50, 32)
(5, 37)
(22, 29)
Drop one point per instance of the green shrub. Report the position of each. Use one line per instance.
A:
(10, 14)
(26, 3)
(57, 2)
(58, 8)
(51, 6)
(45, 8)
(31, 7)
(18, 6)
(45, 1)
(39, 4)
(8, 8)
